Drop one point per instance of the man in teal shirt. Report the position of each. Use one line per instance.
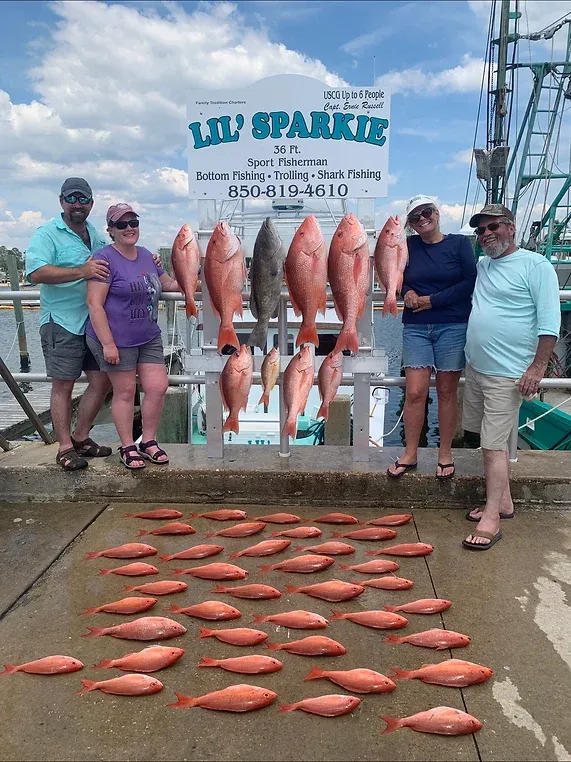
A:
(512, 331)
(59, 258)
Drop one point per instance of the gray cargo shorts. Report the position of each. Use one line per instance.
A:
(129, 357)
(66, 354)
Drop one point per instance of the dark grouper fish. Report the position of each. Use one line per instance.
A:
(266, 279)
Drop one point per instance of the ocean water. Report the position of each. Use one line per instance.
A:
(387, 333)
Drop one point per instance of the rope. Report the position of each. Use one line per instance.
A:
(554, 407)
(18, 324)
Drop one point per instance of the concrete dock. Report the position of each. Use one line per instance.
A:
(513, 601)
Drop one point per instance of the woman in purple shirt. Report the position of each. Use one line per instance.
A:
(124, 336)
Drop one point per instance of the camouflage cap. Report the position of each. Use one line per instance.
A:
(491, 210)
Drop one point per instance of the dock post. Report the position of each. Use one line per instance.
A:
(18, 313)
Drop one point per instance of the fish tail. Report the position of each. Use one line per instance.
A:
(337, 614)
(299, 547)
(227, 335)
(344, 566)
(88, 685)
(232, 423)
(286, 708)
(307, 335)
(173, 608)
(105, 571)
(291, 589)
(220, 588)
(178, 571)
(93, 632)
(142, 532)
(165, 558)
(273, 646)
(237, 554)
(348, 339)
(393, 723)
(206, 661)
(205, 632)
(258, 618)
(337, 534)
(265, 398)
(130, 515)
(315, 674)
(266, 568)
(9, 669)
(259, 335)
(183, 701)
(191, 310)
(89, 556)
(323, 411)
(290, 427)
(103, 664)
(400, 674)
(371, 552)
(394, 639)
(131, 587)
(210, 534)
(390, 305)
(92, 610)
(392, 609)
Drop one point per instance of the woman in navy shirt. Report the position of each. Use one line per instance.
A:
(437, 289)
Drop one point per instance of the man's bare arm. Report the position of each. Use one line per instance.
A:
(54, 275)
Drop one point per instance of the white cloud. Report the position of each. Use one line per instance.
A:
(358, 45)
(461, 159)
(117, 114)
(464, 78)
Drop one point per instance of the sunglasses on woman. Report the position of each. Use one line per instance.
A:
(426, 213)
(73, 197)
(123, 224)
(491, 226)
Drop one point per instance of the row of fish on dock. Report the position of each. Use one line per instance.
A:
(307, 267)
(243, 697)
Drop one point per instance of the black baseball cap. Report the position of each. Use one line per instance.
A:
(491, 210)
(76, 185)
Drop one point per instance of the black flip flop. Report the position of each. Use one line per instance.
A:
(405, 466)
(443, 466)
(493, 538)
(502, 516)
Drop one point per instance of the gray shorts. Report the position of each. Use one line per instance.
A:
(66, 354)
(129, 357)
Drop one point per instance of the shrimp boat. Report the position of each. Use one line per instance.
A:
(261, 424)
(526, 166)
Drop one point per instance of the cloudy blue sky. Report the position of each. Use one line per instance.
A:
(99, 89)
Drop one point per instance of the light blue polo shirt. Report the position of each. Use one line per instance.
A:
(56, 244)
(516, 300)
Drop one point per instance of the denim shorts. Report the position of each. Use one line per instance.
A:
(434, 345)
(129, 357)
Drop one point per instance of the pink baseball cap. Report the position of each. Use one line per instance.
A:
(116, 211)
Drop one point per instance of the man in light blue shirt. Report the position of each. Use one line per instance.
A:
(59, 258)
(512, 332)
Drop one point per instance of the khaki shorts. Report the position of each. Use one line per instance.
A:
(490, 407)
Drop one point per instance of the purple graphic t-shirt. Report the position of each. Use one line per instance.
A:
(132, 301)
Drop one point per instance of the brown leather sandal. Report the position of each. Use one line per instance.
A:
(90, 449)
(70, 460)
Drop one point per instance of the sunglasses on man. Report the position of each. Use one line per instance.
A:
(121, 225)
(426, 213)
(74, 197)
(491, 226)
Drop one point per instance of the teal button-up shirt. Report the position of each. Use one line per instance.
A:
(56, 244)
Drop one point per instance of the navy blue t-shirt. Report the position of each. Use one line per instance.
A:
(445, 271)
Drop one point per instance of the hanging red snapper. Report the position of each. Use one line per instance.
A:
(235, 385)
(306, 277)
(329, 377)
(270, 373)
(185, 261)
(225, 275)
(349, 271)
(297, 383)
(391, 257)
